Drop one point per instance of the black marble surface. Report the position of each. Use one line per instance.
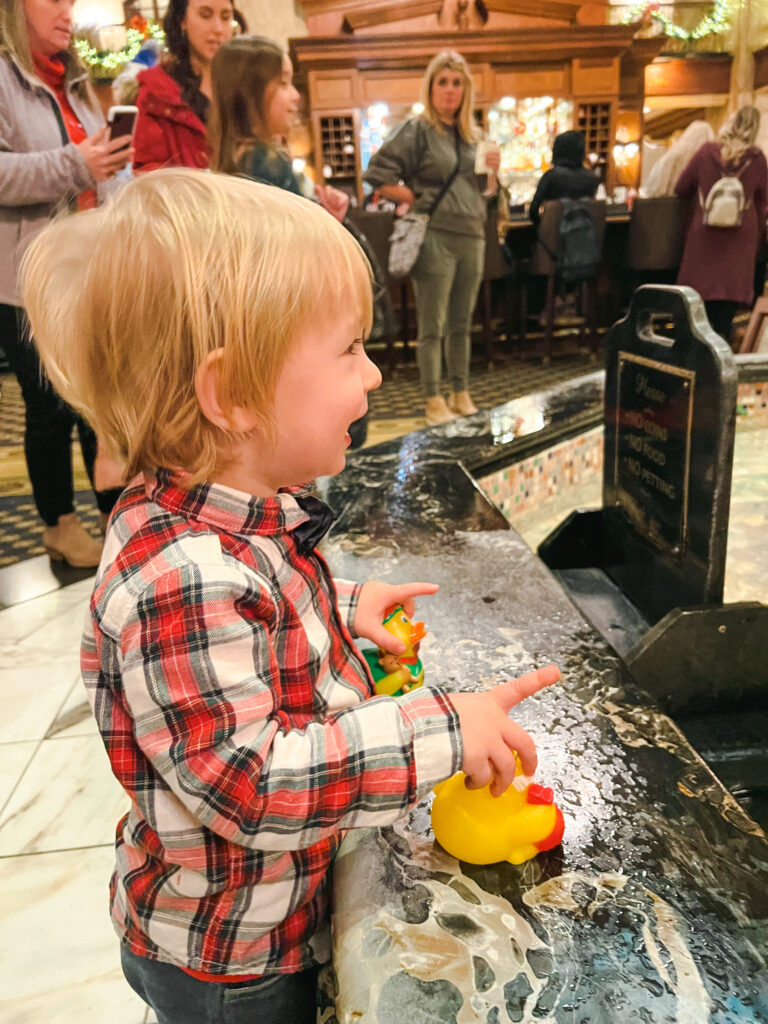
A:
(655, 908)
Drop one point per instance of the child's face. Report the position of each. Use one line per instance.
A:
(281, 102)
(321, 390)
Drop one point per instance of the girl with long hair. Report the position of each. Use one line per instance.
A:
(254, 109)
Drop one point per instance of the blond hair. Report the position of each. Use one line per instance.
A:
(125, 303)
(668, 168)
(464, 119)
(739, 133)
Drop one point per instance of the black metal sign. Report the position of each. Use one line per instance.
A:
(653, 448)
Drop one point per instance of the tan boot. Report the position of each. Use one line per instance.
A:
(460, 403)
(437, 411)
(69, 541)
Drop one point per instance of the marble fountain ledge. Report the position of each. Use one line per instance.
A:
(655, 908)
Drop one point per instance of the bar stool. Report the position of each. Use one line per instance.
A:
(496, 269)
(656, 238)
(377, 227)
(543, 263)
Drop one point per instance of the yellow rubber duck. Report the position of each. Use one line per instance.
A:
(478, 828)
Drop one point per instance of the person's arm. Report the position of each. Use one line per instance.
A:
(761, 191)
(396, 162)
(687, 184)
(539, 196)
(153, 144)
(202, 680)
(46, 176)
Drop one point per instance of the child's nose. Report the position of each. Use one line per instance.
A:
(371, 374)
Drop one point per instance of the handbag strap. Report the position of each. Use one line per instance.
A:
(450, 181)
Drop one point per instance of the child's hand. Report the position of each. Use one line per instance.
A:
(374, 602)
(333, 200)
(491, 738)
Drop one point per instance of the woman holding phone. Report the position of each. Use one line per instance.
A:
(54, 153)
(174, 97)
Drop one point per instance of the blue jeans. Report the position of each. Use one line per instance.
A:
(178, 998)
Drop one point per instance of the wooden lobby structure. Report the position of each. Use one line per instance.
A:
(359, 54)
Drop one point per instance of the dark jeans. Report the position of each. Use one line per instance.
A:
(721, 313)
(48, 427)
(178, 998)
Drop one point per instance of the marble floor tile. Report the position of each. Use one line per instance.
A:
(31, 696)
(14, 758)
(74, 717)
(59, 959)
(63, 632)
(67, 774)
(30, 617)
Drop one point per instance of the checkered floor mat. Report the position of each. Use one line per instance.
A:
(399, 397)
(11, 412)
(21, 536)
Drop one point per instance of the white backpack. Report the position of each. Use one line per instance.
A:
(725, 203)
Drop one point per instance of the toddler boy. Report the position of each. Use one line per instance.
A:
(211, 329)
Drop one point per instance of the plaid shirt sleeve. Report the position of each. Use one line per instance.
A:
(348, 594)
(203, 682)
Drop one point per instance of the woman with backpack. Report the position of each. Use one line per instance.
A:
(728, 181)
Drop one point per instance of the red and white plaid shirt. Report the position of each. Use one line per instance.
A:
(239, 718)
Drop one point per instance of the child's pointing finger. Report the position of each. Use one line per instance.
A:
(509, 694)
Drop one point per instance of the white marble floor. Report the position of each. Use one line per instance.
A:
(59, 803)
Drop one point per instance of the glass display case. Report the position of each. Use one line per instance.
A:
(375, 124)
(525, 130)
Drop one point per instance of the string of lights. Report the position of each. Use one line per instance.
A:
(714, 23)
(110, 62)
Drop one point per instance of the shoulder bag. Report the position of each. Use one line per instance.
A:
(408, 234)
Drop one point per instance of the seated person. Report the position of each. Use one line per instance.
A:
(568, 178)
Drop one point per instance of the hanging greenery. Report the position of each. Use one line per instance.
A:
(109, 63)
(714, 23)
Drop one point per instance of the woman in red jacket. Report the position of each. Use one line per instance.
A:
(174, 96)
(719, 262)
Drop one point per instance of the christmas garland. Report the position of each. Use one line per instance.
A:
(108, 63)
(713, 23)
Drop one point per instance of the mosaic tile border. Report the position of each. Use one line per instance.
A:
(752, 402)
(519, 488)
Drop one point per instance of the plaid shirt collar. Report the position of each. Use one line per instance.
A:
(229, 511)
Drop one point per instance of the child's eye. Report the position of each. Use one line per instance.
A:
(355, 347)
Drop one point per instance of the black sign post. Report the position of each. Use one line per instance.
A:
(648, 568)
(670, 410)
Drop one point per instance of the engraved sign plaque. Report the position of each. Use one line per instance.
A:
(652, 461)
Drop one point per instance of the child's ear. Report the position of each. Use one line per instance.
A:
(236, 419)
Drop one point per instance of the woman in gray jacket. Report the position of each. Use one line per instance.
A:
(54, 154)
(411, 168)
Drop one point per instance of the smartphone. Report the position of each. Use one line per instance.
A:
(121, 121)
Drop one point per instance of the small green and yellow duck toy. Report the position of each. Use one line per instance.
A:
(396, 674)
